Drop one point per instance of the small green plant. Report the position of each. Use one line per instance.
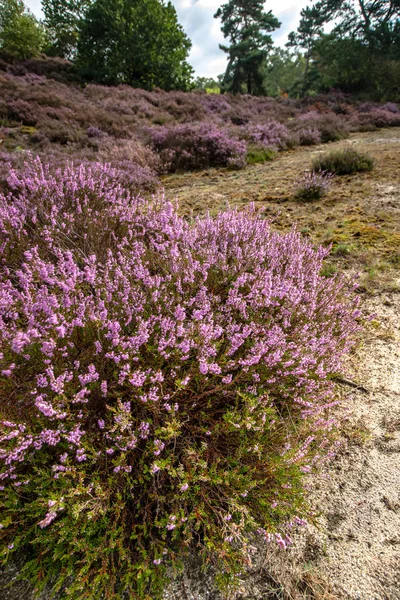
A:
(255, 154)
(341, 250)
(343, 162)
(328, 270)
(312, 186)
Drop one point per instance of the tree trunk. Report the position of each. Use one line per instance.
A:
(249, 84)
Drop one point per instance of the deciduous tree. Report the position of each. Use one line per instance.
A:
(62, 18)
(138, 42)
(21, 34)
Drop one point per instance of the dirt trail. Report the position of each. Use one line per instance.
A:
(354, 553)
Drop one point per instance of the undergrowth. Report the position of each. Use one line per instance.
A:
(343, 162)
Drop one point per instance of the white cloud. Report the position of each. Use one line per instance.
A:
(36, 7)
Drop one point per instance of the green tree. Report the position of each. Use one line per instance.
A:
(362, 52)
(285, 73)
(21, 34)
(206, 84)
(138, 42)
(62, 19)
(309, 31)
(367, 20)
(248, 28)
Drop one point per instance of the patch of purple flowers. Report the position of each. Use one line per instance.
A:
(313, 185)
(158, 370)
(191, 147)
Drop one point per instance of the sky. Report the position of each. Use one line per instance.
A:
(196, 18)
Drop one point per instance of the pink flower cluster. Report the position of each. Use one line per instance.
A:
(128, 334)
(273, 135)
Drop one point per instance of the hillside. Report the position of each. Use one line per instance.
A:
(140, 131)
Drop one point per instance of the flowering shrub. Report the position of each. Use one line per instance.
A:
(190, 147)
(309, 136)
(95, 132)
(131, 176)
(95, 122)
(272, 135)
(391, 107)
(331, 127)
(165, 385)
(379, 117)
(313, 185)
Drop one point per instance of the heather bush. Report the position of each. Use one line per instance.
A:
(165, 385)
(391, 107)
(272, 135)
(313, 185)
(379, 117)
(66, 116)
(127, 151)
(309, 136)
(343, 162)
(331, 127)
(134, 177)
(95, 132)
(191, 147)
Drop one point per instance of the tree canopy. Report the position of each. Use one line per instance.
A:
(62, 19)
(248, 28)
(138, 42)
(21, 34)
(361, 53)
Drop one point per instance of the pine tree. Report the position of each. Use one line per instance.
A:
(248, 28)
(308, 32)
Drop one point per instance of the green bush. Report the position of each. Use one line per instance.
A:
(255, 154)
(343, 162)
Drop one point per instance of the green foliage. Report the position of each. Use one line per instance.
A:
(248, 28)
(362, 51)
(343, 162)
(206, 84)
(350, 65)
(309, 30)
(284, 72)
(140, 43)
(63, 18)
(96, 513)
(372, 21)
(257, 154)
(21, 34)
